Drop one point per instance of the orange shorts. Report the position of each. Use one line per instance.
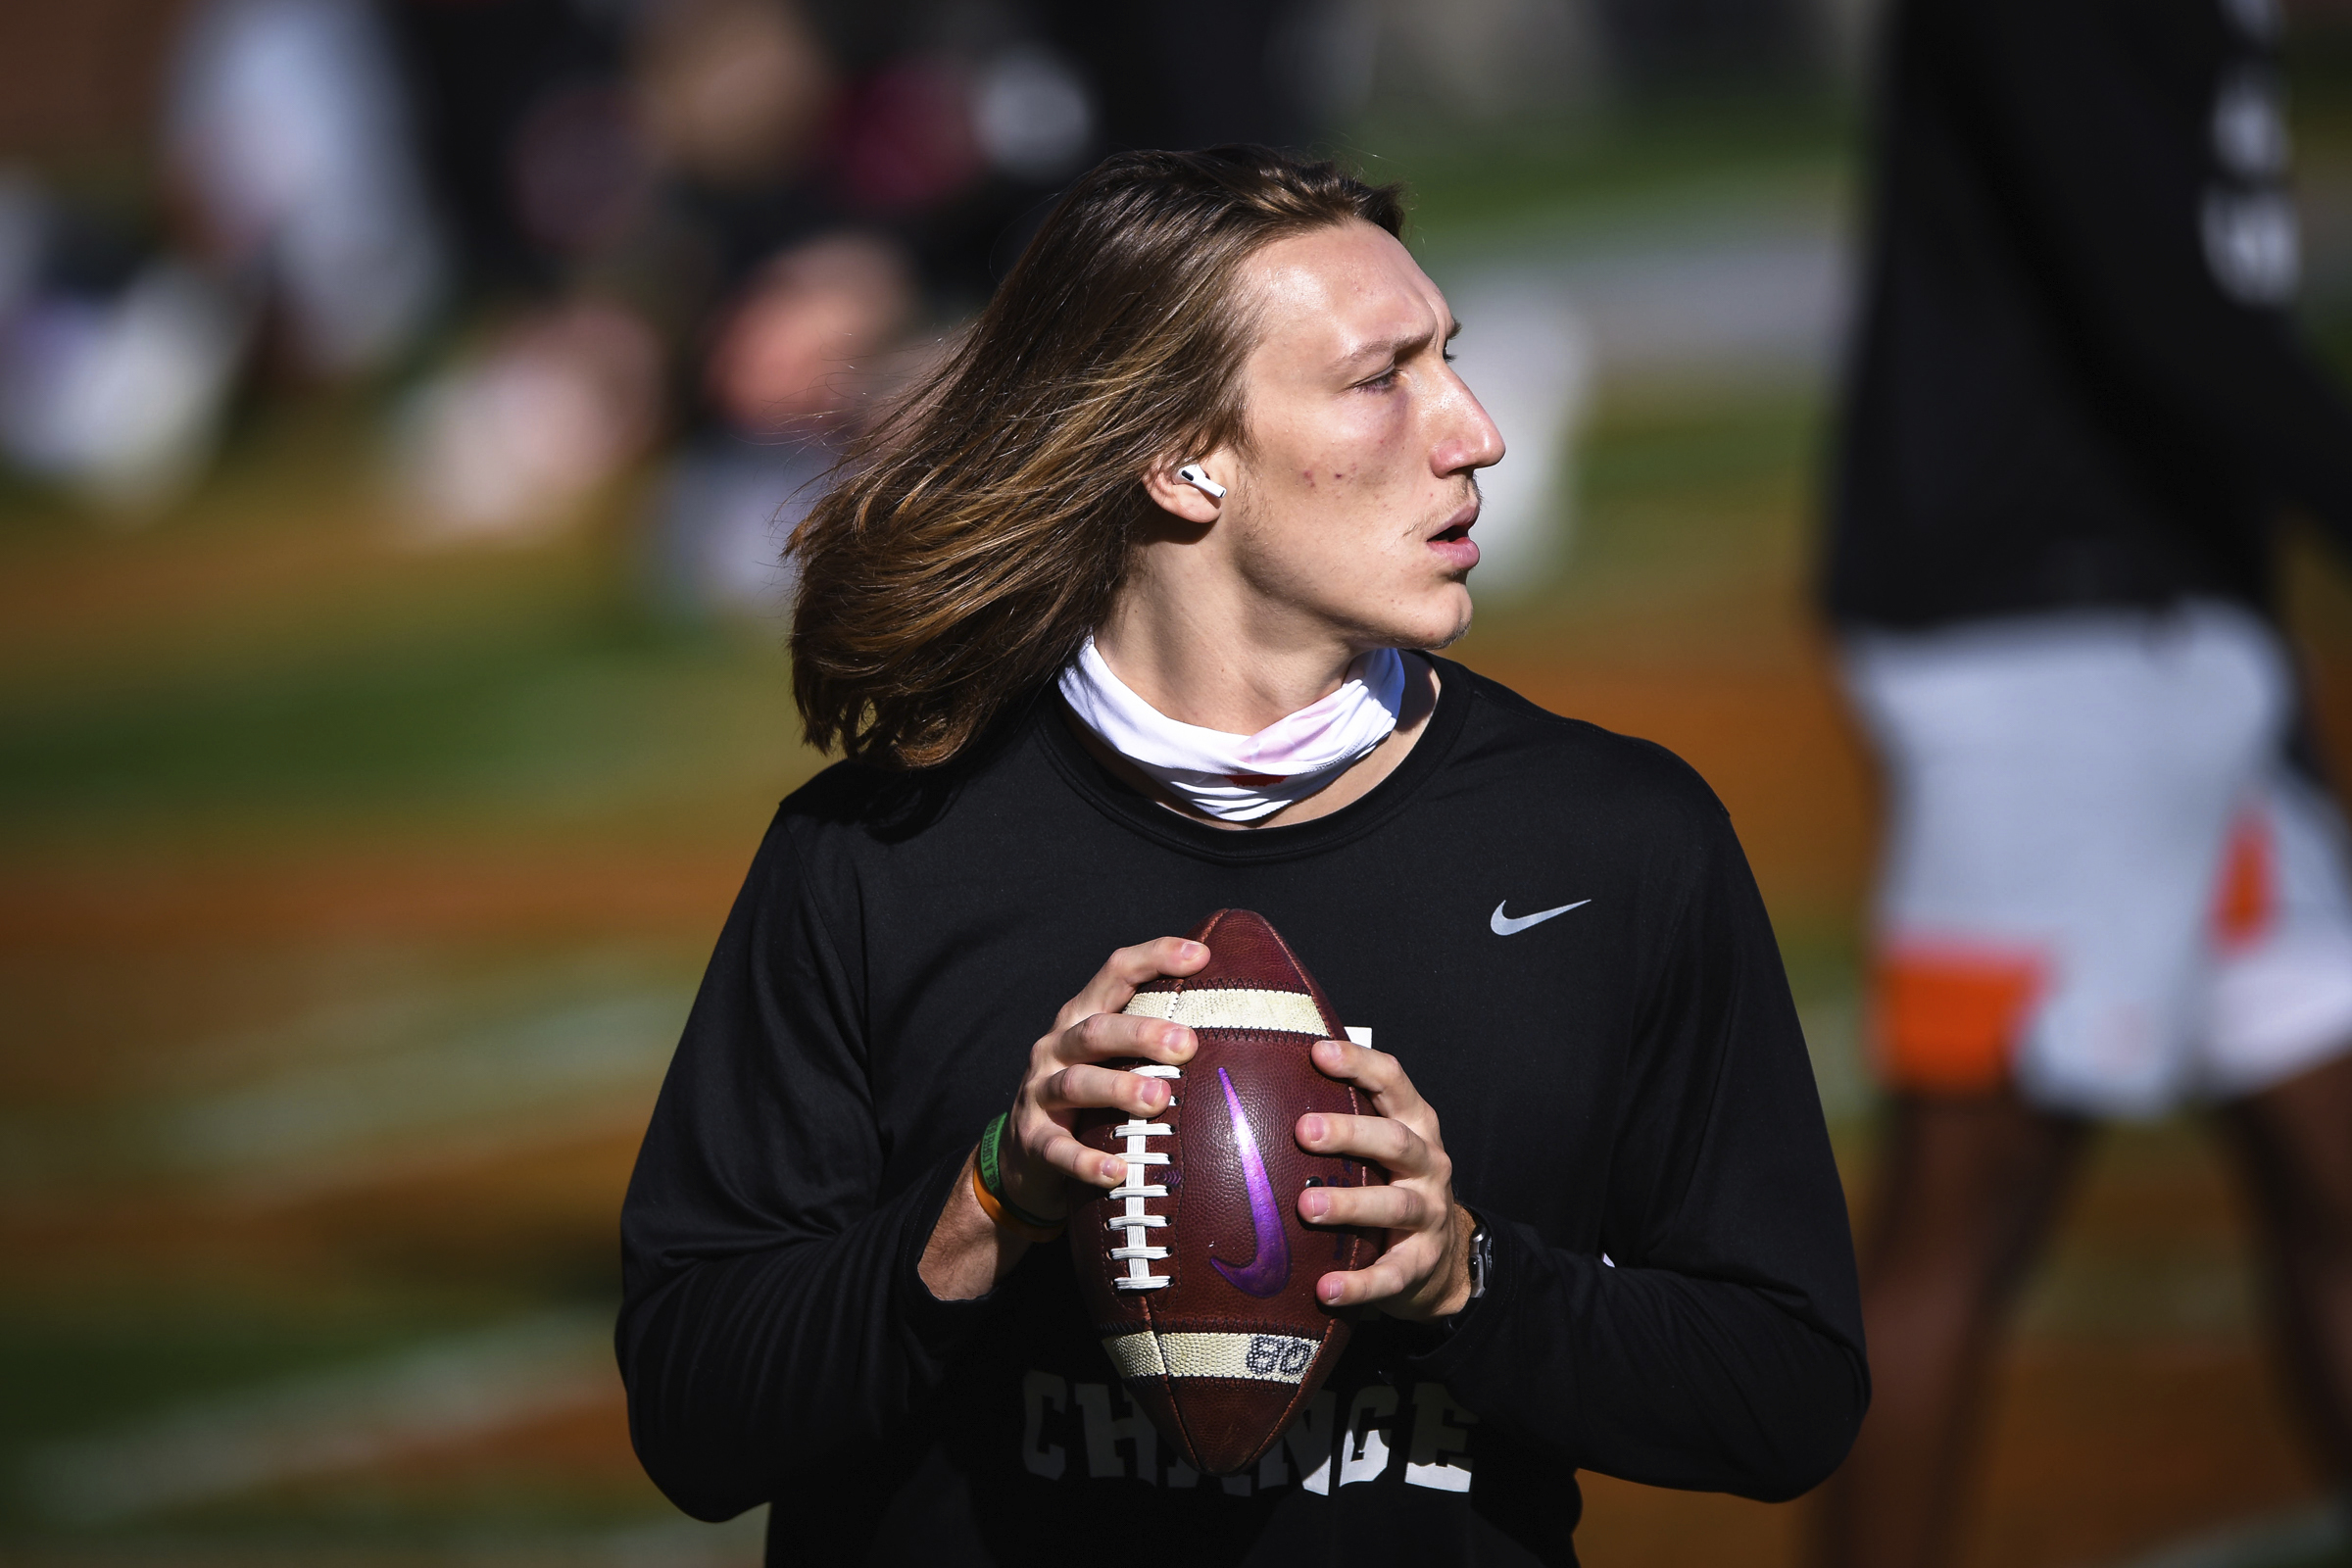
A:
(1945, 1018)
(2102, 882)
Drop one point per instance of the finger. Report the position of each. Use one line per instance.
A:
(1396, 1272)
(1108, 1036)
(1085, 1087)
(1129, 967)
(1388, 1207)
(1375, 1072)
(1076, 1161)
(1382, 1140)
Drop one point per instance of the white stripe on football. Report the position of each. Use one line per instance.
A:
(1291, 1011)
(1258, 1357)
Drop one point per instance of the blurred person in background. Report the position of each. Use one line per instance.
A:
(576, 226)
(290, 140)
(2113, 880)
(576, 146)
(946, 129)
(302, 227)
(787, 374)
(116, 357)
(762, 196)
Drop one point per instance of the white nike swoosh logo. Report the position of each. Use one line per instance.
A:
(1506, 925)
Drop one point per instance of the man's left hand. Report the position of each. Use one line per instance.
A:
(1425, 1274)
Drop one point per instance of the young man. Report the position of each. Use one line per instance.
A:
(2113, 880)
(1108, 623)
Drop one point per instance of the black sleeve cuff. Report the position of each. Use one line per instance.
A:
(1482, 1330)
(935, 1331)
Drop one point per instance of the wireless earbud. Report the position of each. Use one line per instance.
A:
(1196, 477)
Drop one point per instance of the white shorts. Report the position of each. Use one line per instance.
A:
(2101, 879)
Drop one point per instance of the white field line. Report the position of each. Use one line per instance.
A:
(364, 1093)
(445, 1093)
(389, 1047)
(428, 1154)
(2289, 1537)
(428, 1397)
(591, 1049)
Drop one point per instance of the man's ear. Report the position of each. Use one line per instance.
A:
(1183, 498)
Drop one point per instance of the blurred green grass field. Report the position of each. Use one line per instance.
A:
(351, 897)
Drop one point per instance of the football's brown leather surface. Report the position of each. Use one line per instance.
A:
(1225, 1353)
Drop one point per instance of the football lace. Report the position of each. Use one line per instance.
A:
(1135, 1221)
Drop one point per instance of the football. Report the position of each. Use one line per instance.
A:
(1197, 1270)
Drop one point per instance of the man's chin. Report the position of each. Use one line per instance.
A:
(1461, 629)
(1441, 628)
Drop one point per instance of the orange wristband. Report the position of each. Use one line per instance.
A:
(994, 1208)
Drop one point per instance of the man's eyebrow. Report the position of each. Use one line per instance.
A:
(1386, 346)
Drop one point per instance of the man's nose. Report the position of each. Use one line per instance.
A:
(1471, 440)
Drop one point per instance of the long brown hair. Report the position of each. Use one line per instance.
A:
(983, 527)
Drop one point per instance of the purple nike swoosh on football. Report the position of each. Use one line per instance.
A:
(1270, 1269)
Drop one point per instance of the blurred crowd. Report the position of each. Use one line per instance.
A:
(561, 237)
(558, 232)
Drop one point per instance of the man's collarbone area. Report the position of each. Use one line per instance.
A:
(1078, 1427)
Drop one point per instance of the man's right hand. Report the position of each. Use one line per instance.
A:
(1040, 1156)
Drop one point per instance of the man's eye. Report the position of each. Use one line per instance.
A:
(1449, 356)
(1382, 381)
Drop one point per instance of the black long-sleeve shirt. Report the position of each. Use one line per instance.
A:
(2076, 380)
(1625, 1078)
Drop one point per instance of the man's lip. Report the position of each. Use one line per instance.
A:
(1453, 542)
(1464, 518)
(1459, 554)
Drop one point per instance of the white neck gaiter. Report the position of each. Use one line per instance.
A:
(1240, 778)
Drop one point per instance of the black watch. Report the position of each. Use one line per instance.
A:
(1482, 1268)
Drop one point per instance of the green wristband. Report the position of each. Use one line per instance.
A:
(993, 1178)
